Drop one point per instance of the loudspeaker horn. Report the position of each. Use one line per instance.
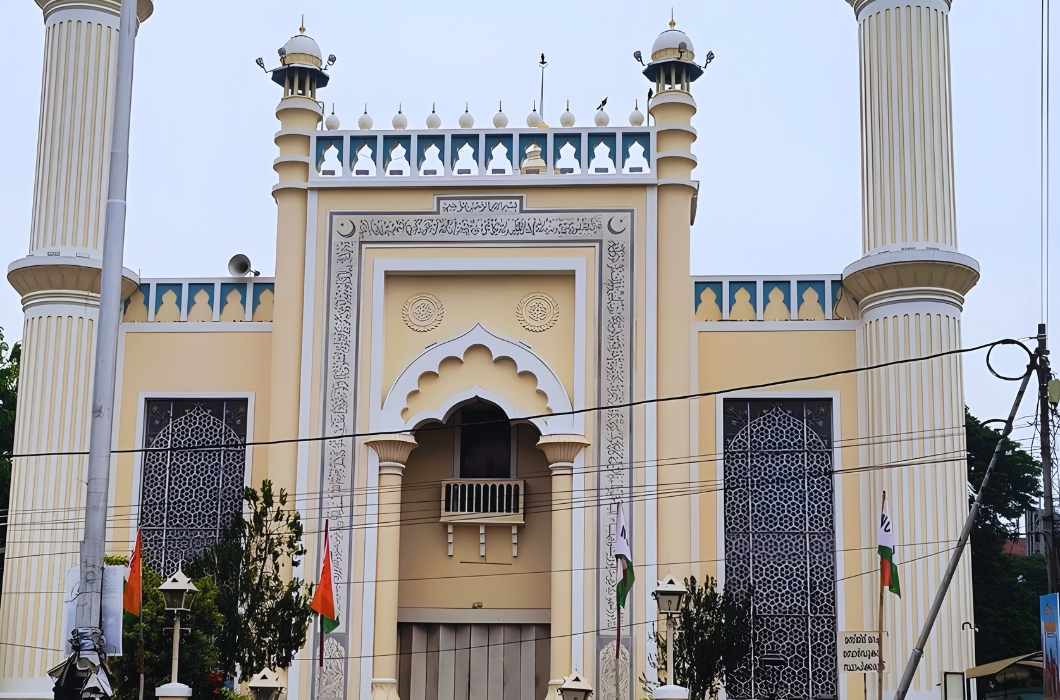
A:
(239, 266)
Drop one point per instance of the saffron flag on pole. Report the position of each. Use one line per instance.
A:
(624, 557)
(885, 546)
(133, 597)
(324, 598)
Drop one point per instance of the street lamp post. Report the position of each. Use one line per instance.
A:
(179, 592)
(669, 594)
(575, 687)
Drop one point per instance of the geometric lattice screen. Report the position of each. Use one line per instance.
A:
(190, 495)
(780, 543)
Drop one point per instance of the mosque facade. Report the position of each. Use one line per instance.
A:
(478, 336)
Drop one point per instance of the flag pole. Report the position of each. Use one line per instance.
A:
(879, 641)
(320, 622)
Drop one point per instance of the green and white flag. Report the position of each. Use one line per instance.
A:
(885, 547)
(623, 557)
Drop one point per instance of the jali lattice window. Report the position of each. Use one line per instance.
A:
(190, 495)
(780, 543)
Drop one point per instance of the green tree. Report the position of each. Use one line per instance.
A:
(1005, 586)
(265, 609)
(713, 638)
(199, 649)
(10, 358)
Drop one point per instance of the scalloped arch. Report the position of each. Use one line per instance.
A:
(525, 361)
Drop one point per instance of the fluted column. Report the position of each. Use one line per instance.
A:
(393, 452)
(59, 284)
(561, 451)
(909, 290)
(906, 129)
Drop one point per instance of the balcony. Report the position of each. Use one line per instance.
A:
(483, 501)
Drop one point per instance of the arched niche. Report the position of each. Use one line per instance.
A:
(506, 357)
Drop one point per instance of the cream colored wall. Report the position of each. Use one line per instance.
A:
(488, 299)
(432, 579)
(211, 363)
(733, 359)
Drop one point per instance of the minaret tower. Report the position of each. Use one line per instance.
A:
(909, 289)
(673, 70)
(59, 283)
(301, 73)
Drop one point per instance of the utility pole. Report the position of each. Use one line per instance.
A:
(1052, 571)
(83, 674)
(966, 531)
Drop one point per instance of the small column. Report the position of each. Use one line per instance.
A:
(561, 451)
(393, 452)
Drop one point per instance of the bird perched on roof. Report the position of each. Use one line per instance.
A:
(601, 105)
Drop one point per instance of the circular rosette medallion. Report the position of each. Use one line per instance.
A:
(537, 312)
(422, 312)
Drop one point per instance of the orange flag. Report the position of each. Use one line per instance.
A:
(324, 596)
(133, 589)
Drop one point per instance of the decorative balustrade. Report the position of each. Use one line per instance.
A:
(223, 299)
(801, 298)
(466, 156)
(483, 501)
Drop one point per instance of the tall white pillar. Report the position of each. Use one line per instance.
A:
(909, 289)
(59, 284)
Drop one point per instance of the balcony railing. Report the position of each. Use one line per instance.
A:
(483, 501)
(531, 156)
(219, 299)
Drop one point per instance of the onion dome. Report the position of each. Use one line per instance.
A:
(566, 119)
(466, 121)
(302, 55)
(433, 120)
(533, 119)
(601, 117)
(400, 121)
(636, 117)
(672, 55)
(364, 122)
(332, 122)
(303, 50)
(500, 119)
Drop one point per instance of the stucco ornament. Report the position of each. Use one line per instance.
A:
(422, 312)
(537, 312)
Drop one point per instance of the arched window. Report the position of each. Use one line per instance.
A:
(485, 442)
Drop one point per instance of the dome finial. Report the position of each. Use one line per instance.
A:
(301, 28)
(672, 22)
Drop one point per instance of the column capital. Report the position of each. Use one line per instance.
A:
(561, 451)
(393, 450)
(144, 8)
(863, 7)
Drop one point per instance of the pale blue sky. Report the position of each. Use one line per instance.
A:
(778, 125)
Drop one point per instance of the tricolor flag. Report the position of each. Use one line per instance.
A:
(324, 597)
(623, 557)
(885, 546)
(133, 598)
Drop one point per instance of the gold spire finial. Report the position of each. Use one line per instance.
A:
(672, 22)
(301, 29)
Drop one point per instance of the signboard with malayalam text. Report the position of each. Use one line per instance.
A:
(858, 652)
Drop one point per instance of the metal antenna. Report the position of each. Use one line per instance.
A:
(544, 64)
